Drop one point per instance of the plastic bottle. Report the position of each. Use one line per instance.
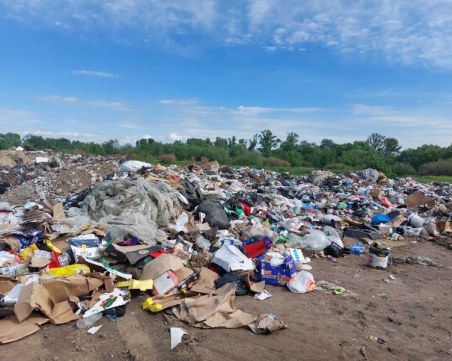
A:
(14, 271)
(357, 248)
(89, 321)
(60, 259)
(203, 243)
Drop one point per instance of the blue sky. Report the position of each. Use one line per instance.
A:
(126, 69)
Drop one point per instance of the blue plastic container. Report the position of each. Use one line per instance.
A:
(357, 248)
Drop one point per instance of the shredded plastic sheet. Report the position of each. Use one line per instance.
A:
(135, 224)
(140, 196)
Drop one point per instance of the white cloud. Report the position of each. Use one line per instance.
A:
(178, 102)
(372, 109)
(94, 73)
(401, 31)
(71, 100)
(11, 118)
(129, 125)
(86, 136)
(132, 139)
(256, 110)
(175, 136)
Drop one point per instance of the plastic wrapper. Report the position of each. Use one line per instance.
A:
(70, 270)
(302, 282)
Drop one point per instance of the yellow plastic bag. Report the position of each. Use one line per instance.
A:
(69, 270)
(52, 247)
(27, 253)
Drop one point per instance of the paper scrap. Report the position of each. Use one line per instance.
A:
(94, 329)
(263, 295)
(176, 336)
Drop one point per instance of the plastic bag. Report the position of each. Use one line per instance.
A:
(380, 218)
(133, 166)
(315, 241)
(330, 231)
(302, 282)
(241, 288)
(7, 258)
(69, 270)
(215, 214)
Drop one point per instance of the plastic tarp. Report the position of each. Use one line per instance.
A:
(113, 198)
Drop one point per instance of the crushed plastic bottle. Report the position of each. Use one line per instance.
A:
(14, 271)
(357, 248)
(202, 243)
(89, 321)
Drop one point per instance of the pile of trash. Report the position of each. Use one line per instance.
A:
(193, 238)
(41, 175)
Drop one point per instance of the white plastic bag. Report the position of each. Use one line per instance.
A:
(315, 241)
(133, 166)
(302, 282)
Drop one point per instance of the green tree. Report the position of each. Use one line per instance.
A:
(376, 141)
(288, 150)
(253, 143)
(267, 142)
(34, 142)
(9, 140)
(232, 141)
(391, 147)
(111, 146)
(221, 142)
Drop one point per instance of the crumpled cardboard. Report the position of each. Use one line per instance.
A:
(11, 241)
(39, 262)
(51, 297)
(159, 303)
(257, 287)
(36, 296)
(160, 265)
(444, 226)
(206, 282)
(12, 330)
(213, 310)
(397, 221)
(417, 199)
(266, 324)
(6, 228)
(6, 286)
(58, 211)
(62, 288)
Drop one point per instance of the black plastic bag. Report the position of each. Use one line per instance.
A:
(216, 216)
(241, 285)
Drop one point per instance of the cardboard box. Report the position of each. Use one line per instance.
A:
(160, 265)
(276, 275)
(165, 283)
(131, 254)
(172, 281)
(206, 282)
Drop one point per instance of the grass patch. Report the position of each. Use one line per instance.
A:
(432, 178)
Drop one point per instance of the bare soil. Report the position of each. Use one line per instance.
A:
(409, 318)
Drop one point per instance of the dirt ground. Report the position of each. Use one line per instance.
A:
(409, 318)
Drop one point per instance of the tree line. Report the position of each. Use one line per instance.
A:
(264, 149)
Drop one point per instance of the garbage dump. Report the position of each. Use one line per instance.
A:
(194, 239)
